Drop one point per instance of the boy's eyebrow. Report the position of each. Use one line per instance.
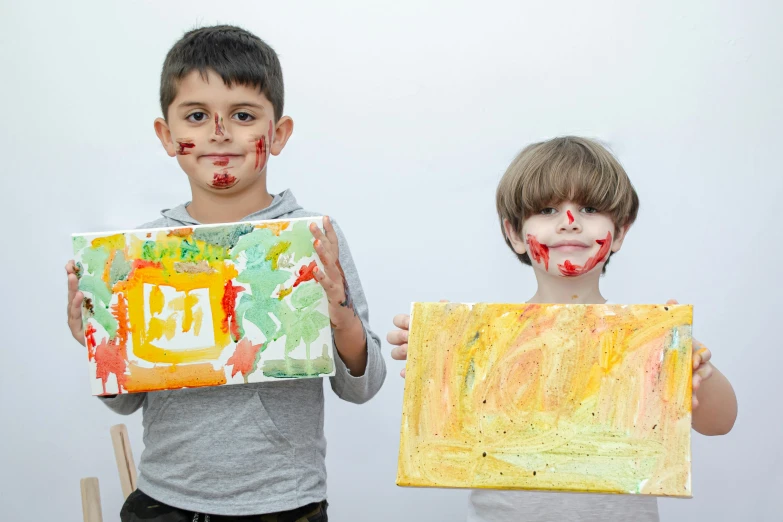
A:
(248, 104)
(240, 104)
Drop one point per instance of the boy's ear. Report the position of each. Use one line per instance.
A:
(619, 237)
(283, 131)
(164, 135)
(513, 237)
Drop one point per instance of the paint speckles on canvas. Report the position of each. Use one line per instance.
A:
(588, 398)
(167, 308)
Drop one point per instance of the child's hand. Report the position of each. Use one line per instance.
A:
(75, 298)
(332, 277)
(702, 367)
(399, 338)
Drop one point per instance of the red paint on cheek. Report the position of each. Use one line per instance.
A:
(570, 217)
(184, 147)
(218, 125)
(261, 153)
(539, 252)
(569, 269)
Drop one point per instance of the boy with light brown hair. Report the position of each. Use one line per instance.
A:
(565, 208)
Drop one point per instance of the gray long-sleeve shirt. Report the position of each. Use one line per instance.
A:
(247, 449)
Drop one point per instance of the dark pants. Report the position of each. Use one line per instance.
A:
(139, 506)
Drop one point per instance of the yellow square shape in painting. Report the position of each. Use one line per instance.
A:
(587, 398)
(209, 283)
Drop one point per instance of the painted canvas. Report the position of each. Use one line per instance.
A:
(581, 398)
(208, 305)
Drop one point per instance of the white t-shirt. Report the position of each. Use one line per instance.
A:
(488, 505)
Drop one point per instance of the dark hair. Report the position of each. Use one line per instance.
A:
(238, 56)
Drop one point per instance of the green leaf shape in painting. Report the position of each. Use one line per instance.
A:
(120, 268)
(223, 236)
(79, 243)
(300, 325)
(262, 239)
(95, 259)
(307, 295)
(96, 286)
(301, 240)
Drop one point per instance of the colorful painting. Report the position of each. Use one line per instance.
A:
(581, 398)
(208, 305)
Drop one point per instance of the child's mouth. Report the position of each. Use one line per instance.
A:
(223, 180)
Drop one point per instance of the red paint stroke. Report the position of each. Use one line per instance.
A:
(120, 312)
(570, 217)
(89, 337)
(261, 153)
(570, 270)
(223, 179)
(218, 125)
(306, 273)
(538, 251)
(262, 148)
(221, 162)
(110, 358)
(183, 145)
(244, 358)
(229, 302)
(143, 263)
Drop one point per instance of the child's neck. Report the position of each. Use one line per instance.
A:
(568, 290)
(208, 207)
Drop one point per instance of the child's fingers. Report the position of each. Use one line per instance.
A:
(696, 382)
(694, 402)
(328, 260)
(397, 337)
(318, 235)
(672, 301)
(402, 321)
(400, 353)
(331, 235)
(701, 357)
(402, 373)
(73, 287)
(705, 372)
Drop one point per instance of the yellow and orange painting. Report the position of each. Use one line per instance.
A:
(203, 306)
(579, 398)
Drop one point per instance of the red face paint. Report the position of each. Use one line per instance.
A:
(184, 147)
(218, 125)
(228, 302)
(221, 162)
(539, 252)
(570, 217)
(306, 273)
(570, 270)
(223, 179)
(262, 148)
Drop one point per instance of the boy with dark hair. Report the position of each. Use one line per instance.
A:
(257, 451)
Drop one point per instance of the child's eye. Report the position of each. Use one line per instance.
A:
(197, 117)
(590, 210)
(547, 211)
(244, 116)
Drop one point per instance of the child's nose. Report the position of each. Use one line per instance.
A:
(219, 131)
(569, 221)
